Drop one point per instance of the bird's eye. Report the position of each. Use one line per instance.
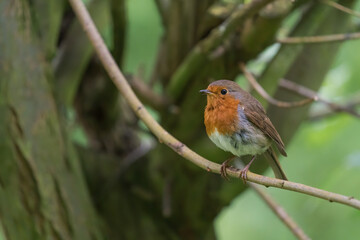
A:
(223, 91)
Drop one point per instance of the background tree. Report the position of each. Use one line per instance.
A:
(77, 164)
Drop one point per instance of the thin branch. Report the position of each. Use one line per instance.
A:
(119, 80)
(199, 54)
(167, 197)
(320, 39)
(280, 212)
(277, 209)
(119, 21)
(319, 114)
(158, 63)
(154, 99)
(134, 156)
(162, 6)
(267, 97)
(306, 92)
(341, 8)
(122, 167)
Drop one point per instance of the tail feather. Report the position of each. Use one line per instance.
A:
(274, 163)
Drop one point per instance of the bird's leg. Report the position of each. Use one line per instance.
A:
(224, 165)
(243, 171)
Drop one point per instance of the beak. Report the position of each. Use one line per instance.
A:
(205, 91)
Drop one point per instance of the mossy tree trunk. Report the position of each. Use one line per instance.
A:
(43, 189)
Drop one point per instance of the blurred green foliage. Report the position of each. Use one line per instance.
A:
(323, 154)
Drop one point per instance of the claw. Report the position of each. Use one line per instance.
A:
(223, 172)
(243, 172)
(225, 165)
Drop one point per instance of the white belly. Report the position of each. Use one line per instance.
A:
(246, 142)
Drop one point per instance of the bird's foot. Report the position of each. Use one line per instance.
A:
(224, 166)
(223, 172)
(243, 172)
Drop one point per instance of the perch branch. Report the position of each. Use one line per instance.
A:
(119, 80)
(320, 39)
(306, 92)
(267, 97)
(341, 8)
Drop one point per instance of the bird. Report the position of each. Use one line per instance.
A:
(237, 123)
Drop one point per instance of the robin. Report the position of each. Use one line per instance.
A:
(236, 122)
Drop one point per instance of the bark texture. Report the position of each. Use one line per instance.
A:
(43, 190)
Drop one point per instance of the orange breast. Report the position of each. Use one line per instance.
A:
(222, 115)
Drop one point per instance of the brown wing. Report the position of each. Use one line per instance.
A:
(255, 113)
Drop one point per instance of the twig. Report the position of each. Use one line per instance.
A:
(280, 212)
(158, 63)
(277, 209)
(351, 104)
(142, 89)
(306, 92)
(320, 39)
(341, 8)
(134, 156)
(119, 21)
(267, 97)
(199, 54)
(162, 6)
(164, 137)
(167, 197)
